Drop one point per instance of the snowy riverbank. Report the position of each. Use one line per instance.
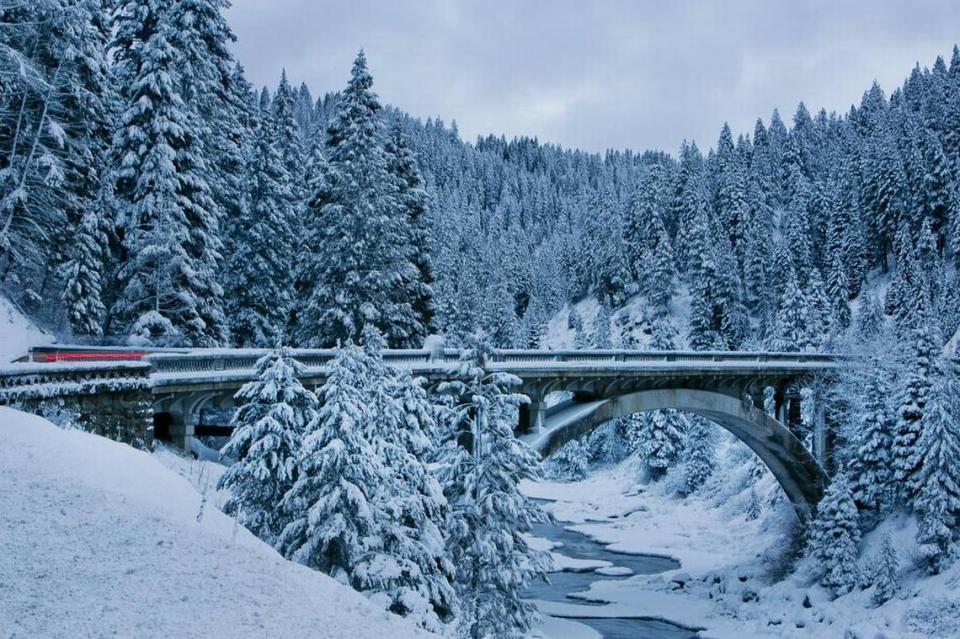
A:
(731, 580)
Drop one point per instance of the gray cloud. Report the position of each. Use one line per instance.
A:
(598, 74)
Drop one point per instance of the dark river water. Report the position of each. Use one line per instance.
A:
(563, 584)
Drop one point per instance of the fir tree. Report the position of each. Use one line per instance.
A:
(571, 462)
(335, 523)
(170, 227)
(600, 336)
(258, 290)
(699, 454)
(870, 469)
(886, 578)
(911, 401)
(659, 438)
(489, 514)
(833, 537)
(275, 411)
(362, 254)
(938, 478)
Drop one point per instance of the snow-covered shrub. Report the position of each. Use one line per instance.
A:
(571, 462)
(658, 438)
(609, 444)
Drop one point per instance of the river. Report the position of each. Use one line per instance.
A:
(563, 584)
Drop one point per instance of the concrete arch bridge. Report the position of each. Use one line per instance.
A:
(728, 388)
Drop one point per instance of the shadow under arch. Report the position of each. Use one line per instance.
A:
(795, 468)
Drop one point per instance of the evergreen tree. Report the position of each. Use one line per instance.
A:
(600, 336)
(88, 107)
(870, 318)
(413, 198)
(938, 478)
(274, 413)
(833, 537)
(489, 514)
(571, 462)
(790, 328)
(911, 403)
(169, 225)
(335, 522)
(259, 268)
(699, 454)
(870, 468)
(362, 254)
(364, 509)
(659, 438)
(886, 577)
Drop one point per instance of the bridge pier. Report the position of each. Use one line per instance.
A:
(532, 417)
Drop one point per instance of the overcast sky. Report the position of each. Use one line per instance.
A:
(598, 74)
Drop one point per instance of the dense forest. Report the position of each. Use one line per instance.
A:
(152, 195)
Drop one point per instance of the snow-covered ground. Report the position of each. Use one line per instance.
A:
(98, 539)
(736, 579)
(17, 332)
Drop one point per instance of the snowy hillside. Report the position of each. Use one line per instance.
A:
(17, 332)
(102, 540)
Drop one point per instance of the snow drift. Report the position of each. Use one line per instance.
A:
(99, 539)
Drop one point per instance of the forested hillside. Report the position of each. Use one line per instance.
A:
(150, 193)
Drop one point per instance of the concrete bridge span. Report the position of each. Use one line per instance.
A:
(728, 388)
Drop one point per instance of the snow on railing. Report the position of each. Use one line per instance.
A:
(40, 381)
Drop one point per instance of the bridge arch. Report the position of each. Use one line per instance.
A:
(795, 468)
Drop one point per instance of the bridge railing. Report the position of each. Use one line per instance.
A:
(40, 381)
(214, 360)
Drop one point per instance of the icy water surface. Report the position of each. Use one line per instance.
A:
(565, 583)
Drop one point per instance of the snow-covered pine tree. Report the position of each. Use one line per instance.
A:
(170, 229)
(571, 462)
(886, 578)
(911, 399)
(413, 198)
(790, 327)
(699, 454)
(362, 256)
(833, 537)
(937, 501)
(600, 335)
(88, 105)
(335, 523)
(259, 273)
(268, 426)
(489, 514)
(658, 437)
(870, 318)
(870, 468)
(414, 577)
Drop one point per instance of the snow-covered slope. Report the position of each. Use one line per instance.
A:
(98, 539)
(17, 332)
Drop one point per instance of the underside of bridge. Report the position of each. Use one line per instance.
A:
(797, 470)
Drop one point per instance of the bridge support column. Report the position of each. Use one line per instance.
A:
(181, 432)
(780, 404)
(532, 417)
(794, 413)
(820, 434)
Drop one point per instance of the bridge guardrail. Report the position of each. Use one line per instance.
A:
(39, 381)
(211, 361)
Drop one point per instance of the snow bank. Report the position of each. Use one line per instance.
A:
(17, 332)
(99, 539)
